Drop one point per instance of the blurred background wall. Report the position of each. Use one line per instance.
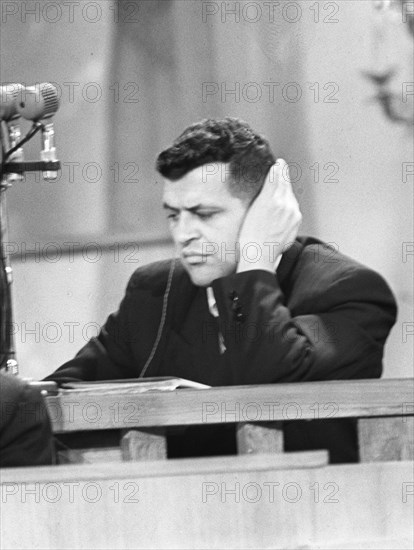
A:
(134, 74)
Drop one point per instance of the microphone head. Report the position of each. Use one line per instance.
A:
(38, 102)
(8, 103)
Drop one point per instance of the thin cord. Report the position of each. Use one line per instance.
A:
(33, 130)
(3, 150)
(163, 317)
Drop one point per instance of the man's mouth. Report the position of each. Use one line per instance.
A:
(194, 257)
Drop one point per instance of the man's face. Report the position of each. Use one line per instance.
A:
(205, 221)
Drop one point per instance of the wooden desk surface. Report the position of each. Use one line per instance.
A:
(77, 411)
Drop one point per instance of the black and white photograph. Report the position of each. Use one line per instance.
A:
(206, 274)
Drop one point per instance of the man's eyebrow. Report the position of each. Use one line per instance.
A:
(192, 208)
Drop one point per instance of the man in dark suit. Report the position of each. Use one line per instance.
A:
(245, 301)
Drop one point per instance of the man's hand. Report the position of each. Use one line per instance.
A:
(271, 222)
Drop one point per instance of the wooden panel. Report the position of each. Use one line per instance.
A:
(264, 403)
(227, 502)
(266, 437)
(382, 439)
(375, 544)
(90, 456)
(169, 468)
(89, 447)
(146, 444)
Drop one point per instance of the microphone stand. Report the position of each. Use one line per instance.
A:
(7, 343)
(10, 139)
(10, 173)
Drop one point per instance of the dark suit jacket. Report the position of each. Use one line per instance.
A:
(25, 431)
(322, 316)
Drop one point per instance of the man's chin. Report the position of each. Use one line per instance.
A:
(202, 274)
(201, 279)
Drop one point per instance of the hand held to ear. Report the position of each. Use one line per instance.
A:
(271, 223)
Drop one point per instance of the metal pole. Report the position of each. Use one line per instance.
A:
(7, 344)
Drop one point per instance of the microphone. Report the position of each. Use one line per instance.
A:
(9, 115)
(37, 103)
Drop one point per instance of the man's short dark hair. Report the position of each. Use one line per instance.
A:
(230, 140)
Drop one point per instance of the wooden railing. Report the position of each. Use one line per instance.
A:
(264, 498)
(384, 409)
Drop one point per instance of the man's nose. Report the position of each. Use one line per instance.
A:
(186, 229)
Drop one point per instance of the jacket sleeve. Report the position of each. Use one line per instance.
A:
(338, 335)
(26, 437)
(108, 356)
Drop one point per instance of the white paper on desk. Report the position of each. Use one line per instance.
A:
(135, 385)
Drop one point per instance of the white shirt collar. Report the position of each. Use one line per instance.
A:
(212, 305)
